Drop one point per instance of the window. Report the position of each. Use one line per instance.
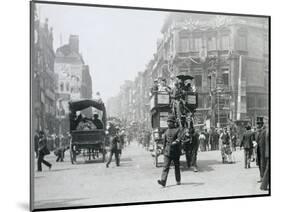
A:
(225, 79)
(197, 44)
(251, 101)
(266, 80)
(211, 44)
(67, 86)
(242, 43)
(200, 101)
(184, 45)
(198, 81)
(261, 102)
(225, 42)
(62, 87)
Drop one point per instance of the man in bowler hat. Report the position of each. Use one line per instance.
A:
(261, 139)
(172, 151)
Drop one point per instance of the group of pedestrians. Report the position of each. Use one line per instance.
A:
(44, 143)
(260, 140)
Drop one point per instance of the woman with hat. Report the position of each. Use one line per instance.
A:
(172, 151)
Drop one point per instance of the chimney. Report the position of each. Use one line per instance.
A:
(74, 43)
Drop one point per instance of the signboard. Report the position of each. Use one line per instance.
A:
(163, 99)
(163, 119)
(191, 99)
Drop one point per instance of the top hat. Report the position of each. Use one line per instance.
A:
(171, 118)
(259, 120)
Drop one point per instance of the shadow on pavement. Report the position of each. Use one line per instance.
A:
(186, 184)
(125, 159)
(57, 203)
(203, 165)
(58, 170)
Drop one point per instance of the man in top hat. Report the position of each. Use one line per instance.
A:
(261, 139)
(247, 144)
(172, 151)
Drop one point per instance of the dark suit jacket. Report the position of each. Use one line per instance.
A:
(172, 144)
(267, 145)
(114, 143)
(261, 140)
(247, 140)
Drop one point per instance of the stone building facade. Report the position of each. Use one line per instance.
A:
(43, 78)
(226, 55)
(74, 81)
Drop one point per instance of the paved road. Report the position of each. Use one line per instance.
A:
(135, 180)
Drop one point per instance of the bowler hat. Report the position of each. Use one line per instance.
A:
(248, 127)
(259, 120)
(171, 118)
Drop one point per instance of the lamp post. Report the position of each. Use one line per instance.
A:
(218, 91)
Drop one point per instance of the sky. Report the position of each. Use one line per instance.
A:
(115, 43)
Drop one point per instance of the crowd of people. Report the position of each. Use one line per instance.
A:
(187, 141)
(45, 142)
